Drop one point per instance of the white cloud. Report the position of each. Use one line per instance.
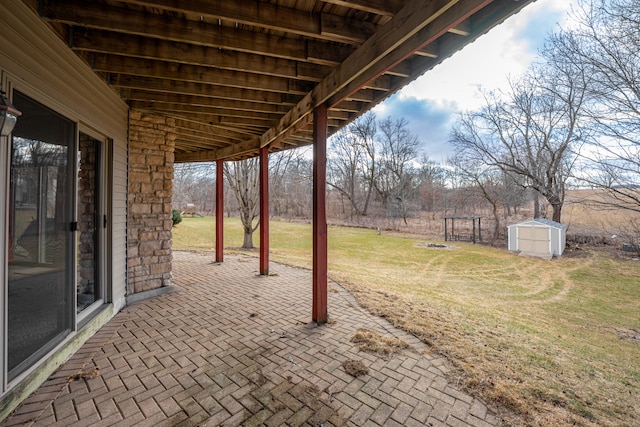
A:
(506, 50)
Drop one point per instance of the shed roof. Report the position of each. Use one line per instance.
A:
(245, 74)
(541, 221)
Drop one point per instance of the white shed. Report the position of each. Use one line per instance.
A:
(538, 237)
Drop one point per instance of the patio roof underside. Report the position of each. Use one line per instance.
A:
(239, 75)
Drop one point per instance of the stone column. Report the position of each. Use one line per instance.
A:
(151, 157)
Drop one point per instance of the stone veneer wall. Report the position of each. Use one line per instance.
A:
(151, 157)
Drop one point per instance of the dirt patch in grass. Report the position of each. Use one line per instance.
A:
(373, 342)
(629, 334)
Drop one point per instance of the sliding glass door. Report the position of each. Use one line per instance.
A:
(57, 240)
(39, 298)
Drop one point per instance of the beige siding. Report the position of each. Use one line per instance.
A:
(39, 64)
(119, 223)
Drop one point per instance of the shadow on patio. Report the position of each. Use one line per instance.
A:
(233, 348)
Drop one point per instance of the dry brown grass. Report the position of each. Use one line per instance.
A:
(583, 216)
(532, 360)
(373, 342)
(355, 368)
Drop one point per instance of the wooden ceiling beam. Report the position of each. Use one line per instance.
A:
(462, 29)
(369, 61)
(197, 144)
(215, 138)
(381, 83)
(379, 7)
(449, 17)
(430, 50)
(203, 141)
(202, 101)
(206, 128)
(273, 17)
(107, 42)
(350, 106)
(115, 64)
(248, 146)
(124, 82)
(99, 16)
(238, 124)
(265, 117)
(364, 95)
(324, 54)
(449, 43)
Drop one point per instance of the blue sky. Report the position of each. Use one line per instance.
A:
(432, 102)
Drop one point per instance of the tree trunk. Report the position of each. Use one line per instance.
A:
(496, 218)
(557, 211)
(536, 205)
(248, 239)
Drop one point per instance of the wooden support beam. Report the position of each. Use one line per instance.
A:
(462, 29)
(379, 7)
(206, 129)
(264, 117)
(264, 211)
(374, 57)
(219, 211)
(115, 64)
(248, 146)
(160, 84)
(132, 22)
(107, 42)
(270, 16)
(448, 17)
(320, 276)
(200, 101)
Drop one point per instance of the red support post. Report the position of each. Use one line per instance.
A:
(264, 211)
(319, 312)
(219, 211)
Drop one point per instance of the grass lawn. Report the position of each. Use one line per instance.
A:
(558, 342)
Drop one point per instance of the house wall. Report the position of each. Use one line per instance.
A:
(36, 62)
(151, 151)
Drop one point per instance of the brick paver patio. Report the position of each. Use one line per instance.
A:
(231, 348)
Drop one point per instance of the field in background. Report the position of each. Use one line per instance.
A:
(558, 342)
(580, 216)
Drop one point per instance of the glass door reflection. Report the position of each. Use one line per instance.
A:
(39, 299)
(89, 224)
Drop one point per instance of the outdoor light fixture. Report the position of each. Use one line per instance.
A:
(8, 115)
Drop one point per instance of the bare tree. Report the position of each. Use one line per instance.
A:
(607, 44)
(395, 182)
(532, 131)
(488, 179)
(243, 178)
(284, 180)
(194, 183)
(431, 177)
(352, 167)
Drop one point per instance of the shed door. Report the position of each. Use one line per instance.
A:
(533, 239)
